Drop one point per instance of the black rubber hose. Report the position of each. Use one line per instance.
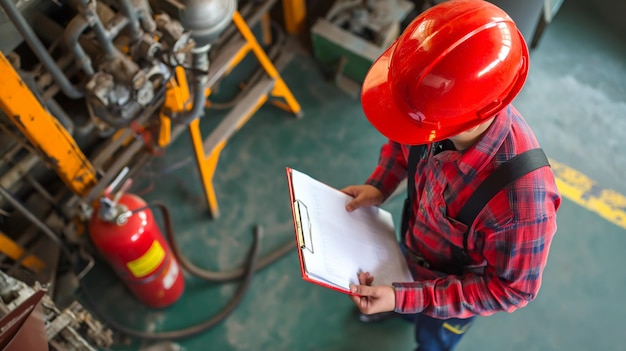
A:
(235, 273)
(198, 328)
(222, 276)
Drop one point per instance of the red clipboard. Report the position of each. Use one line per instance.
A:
(301, 239)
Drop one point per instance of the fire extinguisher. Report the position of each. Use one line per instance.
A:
(123, 229)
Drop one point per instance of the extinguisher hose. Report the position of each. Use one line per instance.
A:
(248, 271)
(222, 276)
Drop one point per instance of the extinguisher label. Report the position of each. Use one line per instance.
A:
(171, 275)
(148, 262)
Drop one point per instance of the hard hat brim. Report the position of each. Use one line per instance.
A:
(381, 110)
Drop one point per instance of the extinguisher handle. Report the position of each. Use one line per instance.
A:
(109, 189)
(122, 190)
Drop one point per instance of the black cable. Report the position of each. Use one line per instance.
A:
(233, 274)
(212, 276)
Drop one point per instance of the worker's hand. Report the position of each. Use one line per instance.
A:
(364, 195)
(372, 299)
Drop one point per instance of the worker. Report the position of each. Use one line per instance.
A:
(447, 83)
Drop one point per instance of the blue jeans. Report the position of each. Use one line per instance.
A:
(434, 334)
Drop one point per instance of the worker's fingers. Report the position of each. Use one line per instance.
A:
(364, 195)
(351, 190)
(373, 299)
(353, 205)
(361, 200)
(364, 297)
(365, 278)
(363, 290)
(358, 197)
(359, 300)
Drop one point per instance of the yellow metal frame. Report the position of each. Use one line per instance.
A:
(295, 15)
(280, 87)
(266, 29)
(15, 252)
(44, 131)
(207, 164)
(177, 99)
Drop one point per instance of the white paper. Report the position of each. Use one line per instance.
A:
(345, 243)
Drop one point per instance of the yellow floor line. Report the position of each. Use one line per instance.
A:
(579, 188)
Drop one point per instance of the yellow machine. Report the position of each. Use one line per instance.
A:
(91, 90)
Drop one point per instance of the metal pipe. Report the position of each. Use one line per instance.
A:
(43, 81)
(42, 191)
(200, 63)
(145, 17)
(40, 51)
(10, 153)
(85, 129)
(116, 24)
(133, 18)
(15, 174)
(87, 9)
(36, 221)
(103, 38)
(114, 120)
(74, 29)
(60, 114)
(46, 80)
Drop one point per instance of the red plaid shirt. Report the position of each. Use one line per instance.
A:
(508, 243)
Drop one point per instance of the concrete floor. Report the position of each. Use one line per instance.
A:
(575, 99)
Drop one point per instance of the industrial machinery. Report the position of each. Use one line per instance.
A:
(90, 91)
(72, 328)
(352, 34)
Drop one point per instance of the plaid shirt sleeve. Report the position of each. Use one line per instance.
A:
(515, 250)
(391, 168)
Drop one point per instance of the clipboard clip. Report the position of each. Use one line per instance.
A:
(303, 224)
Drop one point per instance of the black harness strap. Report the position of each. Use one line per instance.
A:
(502, 176)
(505, 174)
(414, 155)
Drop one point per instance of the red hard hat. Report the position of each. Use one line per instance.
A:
(457, 64)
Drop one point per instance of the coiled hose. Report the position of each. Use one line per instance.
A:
(222, 276)
(245, 273)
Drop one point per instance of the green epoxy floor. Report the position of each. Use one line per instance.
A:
(575, 99)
